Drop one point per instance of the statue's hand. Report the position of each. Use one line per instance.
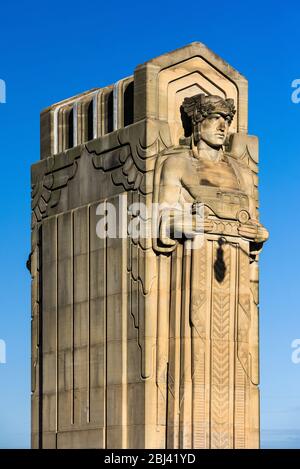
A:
(262, 234)
(198, 226)
(207, 225)
(253, 232)
(191, 227)
(248, 230)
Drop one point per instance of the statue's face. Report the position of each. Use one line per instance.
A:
(214, 129)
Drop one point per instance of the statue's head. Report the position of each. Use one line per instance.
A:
(210, 117)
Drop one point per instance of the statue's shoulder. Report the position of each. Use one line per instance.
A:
(238, 164)
(179, 154)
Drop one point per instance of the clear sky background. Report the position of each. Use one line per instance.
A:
(52, 50)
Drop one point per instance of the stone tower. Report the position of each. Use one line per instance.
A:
(146, 340)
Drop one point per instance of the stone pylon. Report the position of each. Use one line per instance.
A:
(141, 339)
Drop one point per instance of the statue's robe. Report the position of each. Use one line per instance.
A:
(207, 340)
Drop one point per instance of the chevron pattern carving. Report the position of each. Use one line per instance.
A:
(220, 391)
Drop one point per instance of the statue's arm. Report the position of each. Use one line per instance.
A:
(176, 218)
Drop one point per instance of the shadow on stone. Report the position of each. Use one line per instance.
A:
(219, 265)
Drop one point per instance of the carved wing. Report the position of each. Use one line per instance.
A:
(244, 150)
(48, 178)
(130, 163)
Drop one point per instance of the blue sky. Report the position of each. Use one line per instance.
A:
(52, 50)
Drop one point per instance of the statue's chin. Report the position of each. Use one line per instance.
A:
(214, 145)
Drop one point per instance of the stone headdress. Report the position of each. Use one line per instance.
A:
(201, 106)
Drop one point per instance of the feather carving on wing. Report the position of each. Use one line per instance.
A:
(244, 151)
(131, 165)
(49, 176)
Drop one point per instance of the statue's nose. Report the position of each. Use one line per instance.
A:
(221, 124)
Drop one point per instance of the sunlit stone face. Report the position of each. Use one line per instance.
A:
(214, 129)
